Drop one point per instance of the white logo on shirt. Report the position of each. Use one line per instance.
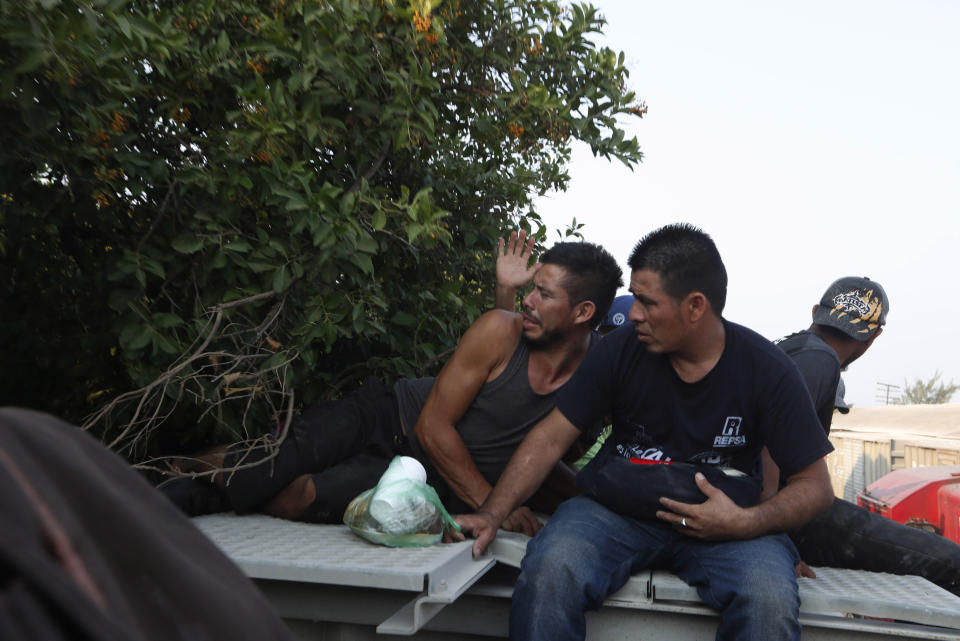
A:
(652, 454)
(730, 434)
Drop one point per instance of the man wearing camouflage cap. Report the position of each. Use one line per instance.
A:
(849, 318)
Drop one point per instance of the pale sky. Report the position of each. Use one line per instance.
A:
(811, 140)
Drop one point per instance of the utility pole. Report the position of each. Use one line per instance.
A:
(887, 393)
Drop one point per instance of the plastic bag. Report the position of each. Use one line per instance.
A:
(401, 511)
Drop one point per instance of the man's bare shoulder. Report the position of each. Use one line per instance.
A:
(495, 333)
(499, 320)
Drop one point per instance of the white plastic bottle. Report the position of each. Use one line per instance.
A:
(397, 505)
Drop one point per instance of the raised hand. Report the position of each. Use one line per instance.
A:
(512, 271)
(513, 256)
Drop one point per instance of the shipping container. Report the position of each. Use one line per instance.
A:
(869, 442)
(858, 459)
(926, 452)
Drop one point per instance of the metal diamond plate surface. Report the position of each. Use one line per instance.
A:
(874, 594)
(268, 548)
(835, 591)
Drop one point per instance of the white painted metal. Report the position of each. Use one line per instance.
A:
(303, 567)
(849, 593)
(445, 583)
(269, 548)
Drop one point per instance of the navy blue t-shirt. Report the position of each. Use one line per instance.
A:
(820, 369)
(753, 396)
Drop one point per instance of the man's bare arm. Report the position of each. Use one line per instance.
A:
(481, 355)
(807, 493)
(513, 256)
(529, 465)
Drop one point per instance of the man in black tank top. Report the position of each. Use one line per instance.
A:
(463, 426)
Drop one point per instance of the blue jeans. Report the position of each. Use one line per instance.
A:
(586, 552)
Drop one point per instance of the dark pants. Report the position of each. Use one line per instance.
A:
(849, 536)
(346, 445)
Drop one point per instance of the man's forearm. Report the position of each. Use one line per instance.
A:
(805, 496)
(526, 471)
(452, 460)
(530, 465)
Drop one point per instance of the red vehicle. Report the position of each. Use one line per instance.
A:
(922, 497)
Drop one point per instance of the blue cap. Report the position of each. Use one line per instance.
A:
(617, 315)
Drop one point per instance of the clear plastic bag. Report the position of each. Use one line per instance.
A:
(400, 511)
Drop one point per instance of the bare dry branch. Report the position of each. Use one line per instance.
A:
(240, 349)
(273, 447)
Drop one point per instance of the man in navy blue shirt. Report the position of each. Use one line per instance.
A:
(692, 396)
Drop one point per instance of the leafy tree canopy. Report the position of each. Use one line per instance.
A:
(212, 210)
(929, 392)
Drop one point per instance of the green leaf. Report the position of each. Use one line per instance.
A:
(413, 231)
(124, 25)
(240, 245)
(363, 262)
(404, 319)
(164, 344)
(295, 201)
(119, 299)
(187, 244)
(223, 43)
(367, 244)
(163, 319)
(152, 266)
(259, 268)
(274, 361)
(281, 279)
(347, 203)
(33, 60)
(136, 337)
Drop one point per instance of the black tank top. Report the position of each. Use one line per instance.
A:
(502, 413)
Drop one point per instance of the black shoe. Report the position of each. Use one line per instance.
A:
(195, 496)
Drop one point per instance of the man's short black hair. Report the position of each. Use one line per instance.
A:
(686, 259)
(592, 274)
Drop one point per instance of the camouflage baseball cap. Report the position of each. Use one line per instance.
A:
(855, 305)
